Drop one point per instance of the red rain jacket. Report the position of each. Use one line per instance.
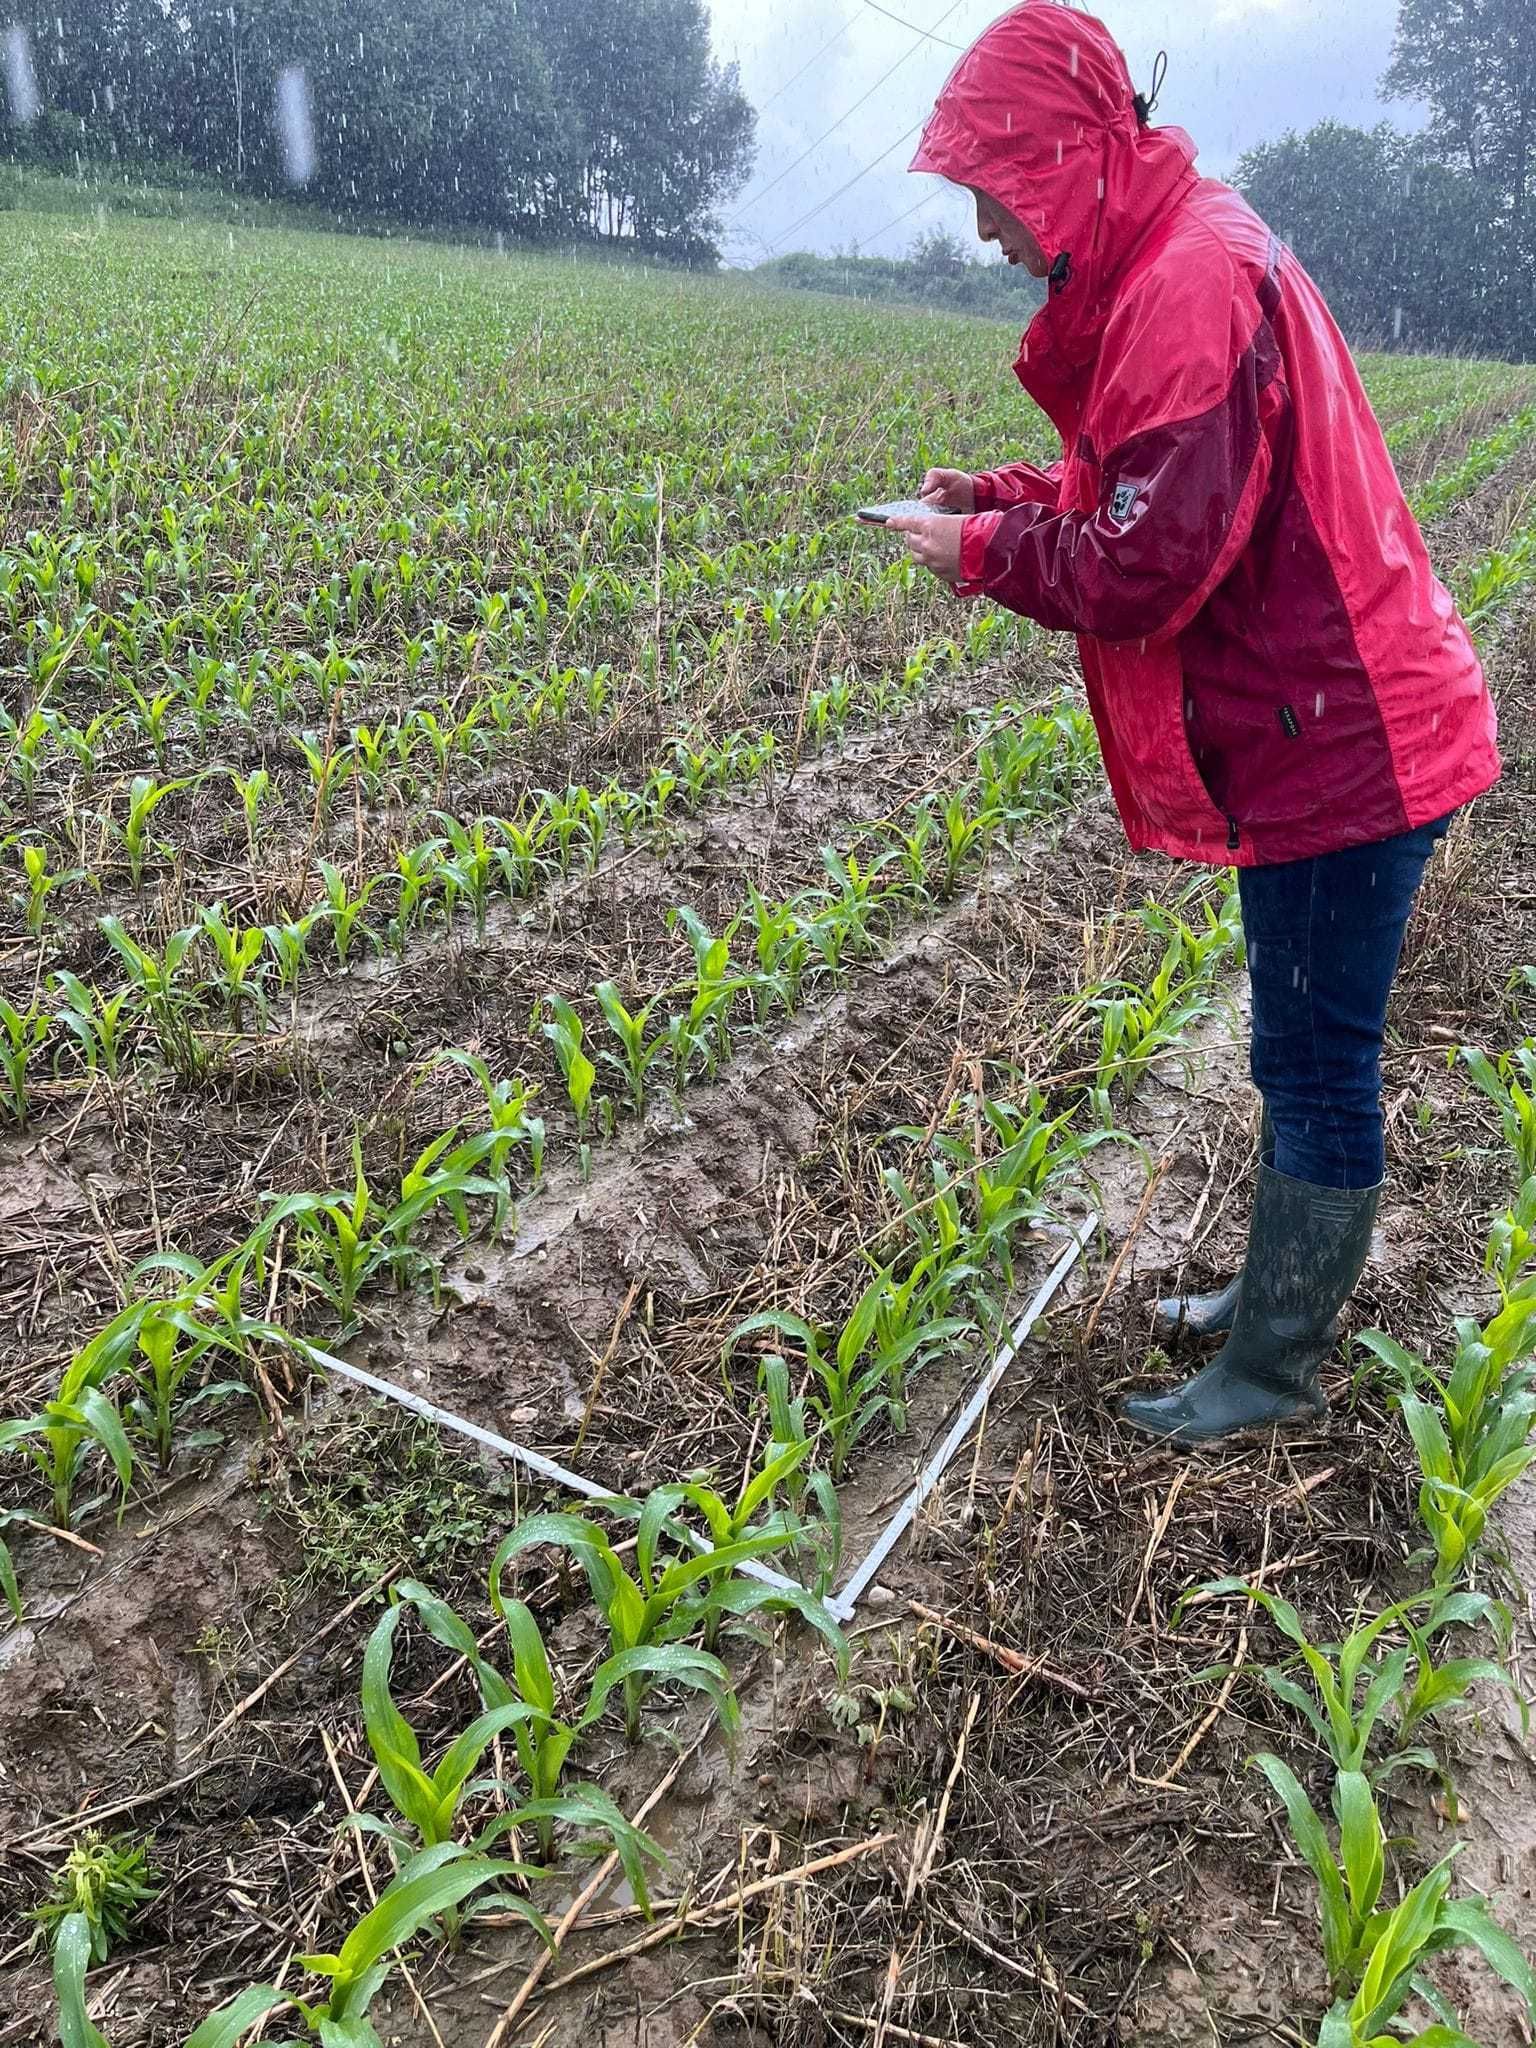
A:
(1272, 666)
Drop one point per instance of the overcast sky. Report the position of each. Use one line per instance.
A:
(1239, 72)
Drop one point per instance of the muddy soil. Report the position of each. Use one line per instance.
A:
(1032, 1813)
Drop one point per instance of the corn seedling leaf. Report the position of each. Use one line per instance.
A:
(231, 2023)
(432, 1883)
(1473, 1926)
(8, 1581)
(743, 1597)
(71, 1960)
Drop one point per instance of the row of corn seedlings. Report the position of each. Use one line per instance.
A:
(342, 1240)
(1488, 587)
(1483, 459)
(128, 1390)
(1443, 416)
(774, 953)
(169, 684)
(176, 993)
(402, 760)
(1374, 1700)
(319, 709)
(458, 1831)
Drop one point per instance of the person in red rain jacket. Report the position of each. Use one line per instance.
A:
(1278, 680)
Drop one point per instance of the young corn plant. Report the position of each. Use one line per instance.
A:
(1438, 1687)
(255, 793)
(145, 797)
(564, 1030)
(716, 986)
(1509, 1082)
(510, 1124)
(39, 883)
(1425, 1923)
(664, 1602)
(237, 952)
(524, 865)
(1359, 1687)
(288, 946)
(431, 1804)
(170, 1343)
(327, 765)
(469, 866)
(639, 1047)
(421, 883)
(172, 1005)
(910, 843)
(727, 1522)
(1510, 1255)
(1349, 1884)
(544, 1742)
(855, 1379)
(10, 1585)
(856, 900)
(1455, 1499)
(1473, 1436)
(80, 1418)
(964, 835)
(23, 1034)
(781, 949)
(817, 1547)
(347, 911)
(94, 1020)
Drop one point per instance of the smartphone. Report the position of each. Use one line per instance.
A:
(903, 508)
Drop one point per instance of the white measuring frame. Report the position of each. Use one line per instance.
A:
(842, 1605)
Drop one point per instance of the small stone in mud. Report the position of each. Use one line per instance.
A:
(474, 1273)
(880, 1596)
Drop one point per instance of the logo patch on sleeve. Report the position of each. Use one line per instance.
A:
(1123, 503)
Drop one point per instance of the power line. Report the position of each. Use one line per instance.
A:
(836, 36)
(901, 21)
(906, 56)
(833, 197)
(927, 200)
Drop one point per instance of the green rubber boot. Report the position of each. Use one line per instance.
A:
(1306, 1249)
(1212, 1315)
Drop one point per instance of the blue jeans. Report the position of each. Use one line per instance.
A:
(1324, 938)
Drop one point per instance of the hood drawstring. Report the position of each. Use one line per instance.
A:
(1146, 103)
(1061, 273)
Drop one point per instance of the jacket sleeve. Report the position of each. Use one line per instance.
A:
(1180, 486)
(1016, 483)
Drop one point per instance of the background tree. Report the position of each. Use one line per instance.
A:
(542, 118)
(1474, 64)
(1406, 250)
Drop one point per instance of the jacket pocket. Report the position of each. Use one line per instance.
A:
(1143, 690)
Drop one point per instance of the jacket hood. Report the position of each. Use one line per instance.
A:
(1040, 114)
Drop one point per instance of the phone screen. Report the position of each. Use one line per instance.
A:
(901, 508)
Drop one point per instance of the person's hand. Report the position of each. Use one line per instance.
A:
(949, 490)
(932, 543)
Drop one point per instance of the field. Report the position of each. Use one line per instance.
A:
(505, 887)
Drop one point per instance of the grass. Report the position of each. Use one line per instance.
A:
(387, 1488)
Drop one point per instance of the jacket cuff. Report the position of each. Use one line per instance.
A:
(975, 538)
(985, 487)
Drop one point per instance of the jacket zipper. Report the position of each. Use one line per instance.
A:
(1234, 837)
